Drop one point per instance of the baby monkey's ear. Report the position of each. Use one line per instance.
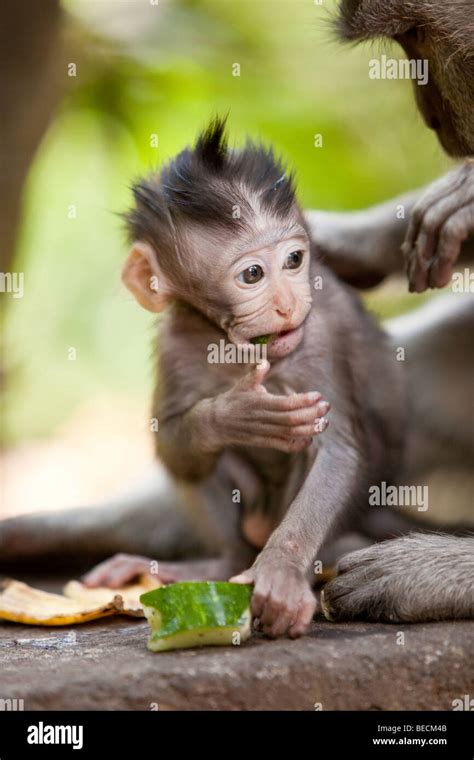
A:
(143, 277)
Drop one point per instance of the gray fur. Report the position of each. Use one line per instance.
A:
(411, 579)
(443, 33)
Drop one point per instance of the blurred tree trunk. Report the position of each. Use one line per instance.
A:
(32, 71)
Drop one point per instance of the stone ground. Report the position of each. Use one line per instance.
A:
(105, 665)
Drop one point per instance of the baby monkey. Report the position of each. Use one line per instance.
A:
(221, 248)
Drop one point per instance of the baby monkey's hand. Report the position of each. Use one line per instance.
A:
(282, 601)
(249, 415)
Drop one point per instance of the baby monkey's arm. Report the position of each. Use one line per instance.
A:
(282, 599)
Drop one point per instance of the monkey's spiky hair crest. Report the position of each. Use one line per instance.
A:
(206, 184)
(452, 20)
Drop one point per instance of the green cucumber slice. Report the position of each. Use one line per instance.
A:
(193, 614)
(262, 340)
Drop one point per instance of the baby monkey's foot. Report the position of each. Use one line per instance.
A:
(123, 568)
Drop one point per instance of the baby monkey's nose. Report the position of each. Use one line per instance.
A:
(284, 306)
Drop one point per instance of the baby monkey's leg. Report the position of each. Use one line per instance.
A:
(213, 518)
(122, 568)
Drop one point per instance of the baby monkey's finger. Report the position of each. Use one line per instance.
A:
(293, 418)
(293, 401)
(306, 415)
(255, 377)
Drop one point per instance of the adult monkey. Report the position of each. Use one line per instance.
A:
(400, 579)
(363, 247)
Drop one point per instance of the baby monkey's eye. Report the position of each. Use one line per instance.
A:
(294, 260)
(252, 274)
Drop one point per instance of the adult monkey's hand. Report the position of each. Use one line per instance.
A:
(425, 230)
(441, 220)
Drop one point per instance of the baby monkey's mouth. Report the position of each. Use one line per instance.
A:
(281, 343)
(263, 340)
(274, 344)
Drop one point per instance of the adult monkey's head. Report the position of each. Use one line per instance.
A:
(441, 31)
(221, 230)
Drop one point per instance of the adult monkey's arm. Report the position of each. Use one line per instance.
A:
(363, 247)
(434, 225)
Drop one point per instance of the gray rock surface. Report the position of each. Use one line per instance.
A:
(105, 665)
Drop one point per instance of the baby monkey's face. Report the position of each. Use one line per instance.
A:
(258, 288)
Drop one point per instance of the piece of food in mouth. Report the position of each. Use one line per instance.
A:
(261, 340)
(195, 614)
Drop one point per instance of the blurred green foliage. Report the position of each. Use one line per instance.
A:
(165, 69)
